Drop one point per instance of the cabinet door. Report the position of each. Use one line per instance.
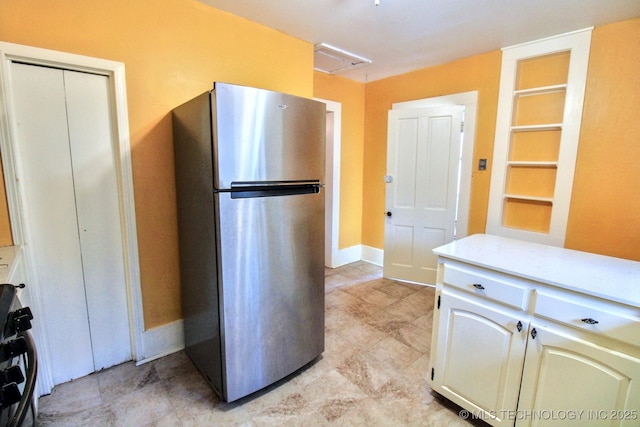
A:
(568, 381)
(479, 357)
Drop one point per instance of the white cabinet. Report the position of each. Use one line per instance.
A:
(533, 335)
(478, 362)
(563, 373)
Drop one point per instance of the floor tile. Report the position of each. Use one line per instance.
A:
(373, 372)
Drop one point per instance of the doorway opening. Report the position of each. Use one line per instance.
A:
(113, 72)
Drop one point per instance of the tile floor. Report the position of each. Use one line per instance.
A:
(372, 373)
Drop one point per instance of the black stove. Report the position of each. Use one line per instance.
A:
(18, 363)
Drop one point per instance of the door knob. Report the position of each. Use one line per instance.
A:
(388, 213)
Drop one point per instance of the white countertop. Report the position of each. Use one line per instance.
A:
(7, 261)
(607, 277)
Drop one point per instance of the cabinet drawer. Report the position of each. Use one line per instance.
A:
(487, 284)
(596, 316)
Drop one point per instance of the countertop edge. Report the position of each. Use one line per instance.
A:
(8, 256)
(554, 266)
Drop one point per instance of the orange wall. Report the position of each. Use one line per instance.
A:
(481, 73)
(605, 204)
(173, 50)
(351, 95)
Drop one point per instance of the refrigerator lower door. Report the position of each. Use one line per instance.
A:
(271, 286)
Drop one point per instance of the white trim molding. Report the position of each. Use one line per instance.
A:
(162, 341)
(347, 256)
(358, 253)
(332, 182)
(372, 255)
(10, 52)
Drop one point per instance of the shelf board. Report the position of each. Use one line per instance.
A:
(528, 198)
(540, 90)
(535, 164)
(533, 128)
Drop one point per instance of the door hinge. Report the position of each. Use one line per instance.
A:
(461, 126)
(438, 302)
(433, 373)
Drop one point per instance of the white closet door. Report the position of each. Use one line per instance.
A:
(47, 184)
(96, 191)
(72, 218)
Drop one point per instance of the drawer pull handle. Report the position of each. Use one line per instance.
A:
(478, 286)
(519, 326)
(589, 321)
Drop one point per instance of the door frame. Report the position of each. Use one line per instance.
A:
(332, 186)
(470, 101)
(114, 71)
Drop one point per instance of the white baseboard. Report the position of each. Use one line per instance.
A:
(372, 255)
(358, 253)
(162, 341)
(347, 256)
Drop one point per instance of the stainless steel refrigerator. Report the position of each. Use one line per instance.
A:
(249, 184)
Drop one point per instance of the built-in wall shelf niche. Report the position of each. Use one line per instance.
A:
(537, 131)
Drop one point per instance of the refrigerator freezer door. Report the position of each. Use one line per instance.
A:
(271, 287)
(261, 135)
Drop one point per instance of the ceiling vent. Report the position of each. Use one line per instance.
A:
(332, 60)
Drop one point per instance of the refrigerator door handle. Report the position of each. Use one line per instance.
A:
(245, 190)
(240, 185)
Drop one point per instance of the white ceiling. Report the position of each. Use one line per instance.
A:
(405, 35)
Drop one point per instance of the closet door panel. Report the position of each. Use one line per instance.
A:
(99, 218)
(46, 182)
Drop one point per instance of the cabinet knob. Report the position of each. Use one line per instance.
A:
(589, 321)
(519, 326)
(478, 286)
(534, 333)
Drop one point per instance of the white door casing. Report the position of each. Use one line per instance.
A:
(114, 71)
(332, 183)
(423, 156)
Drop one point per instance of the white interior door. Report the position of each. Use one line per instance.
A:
(423, 157)
(73, 230)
